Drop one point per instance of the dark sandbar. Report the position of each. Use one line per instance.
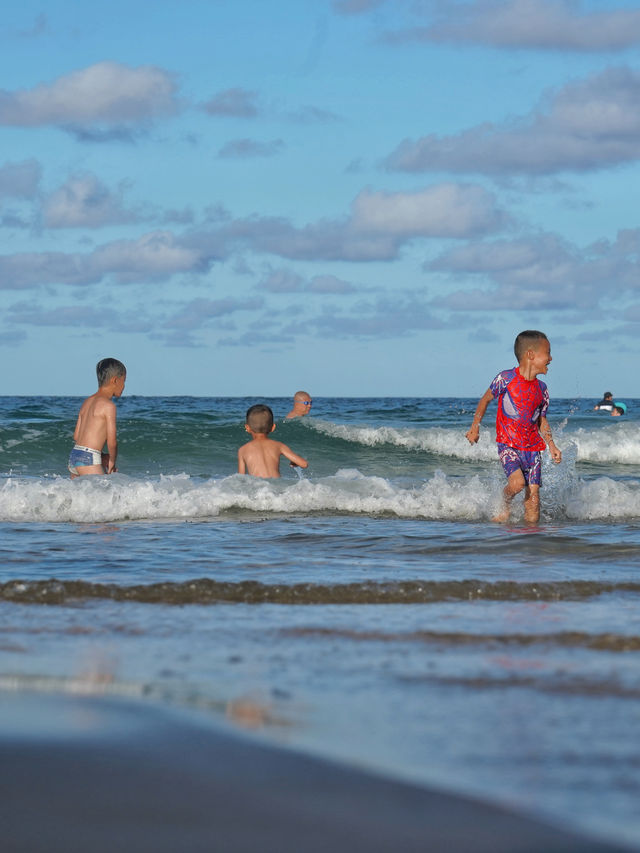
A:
(97, 775)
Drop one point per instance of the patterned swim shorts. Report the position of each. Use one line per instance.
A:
(527, 461)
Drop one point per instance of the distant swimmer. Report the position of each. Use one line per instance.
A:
(96, 424)
(260, 457)
(619, 409)
(301, 405)
(606, 404)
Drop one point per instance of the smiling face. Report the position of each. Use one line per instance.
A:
(540, 357)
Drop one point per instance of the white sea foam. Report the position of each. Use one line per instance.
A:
(441, 497)
(617, 442)
(435, 440)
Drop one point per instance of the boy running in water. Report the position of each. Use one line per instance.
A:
(522, 429)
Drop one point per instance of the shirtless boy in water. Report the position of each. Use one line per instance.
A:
(96, 425)
(260, 457)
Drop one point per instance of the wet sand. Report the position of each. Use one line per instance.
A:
(80, 774)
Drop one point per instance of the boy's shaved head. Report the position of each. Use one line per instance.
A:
(108, 368)
(260, 418)
(530, 339)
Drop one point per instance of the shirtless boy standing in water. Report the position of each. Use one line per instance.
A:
(260, 457)
(96, 425)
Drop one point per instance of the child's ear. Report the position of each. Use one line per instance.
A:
(246, 428)
(273, 427)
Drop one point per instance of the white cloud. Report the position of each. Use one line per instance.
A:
(379, 225)
(83, 201)
(445, 210)
(535, 24)
(157, 255)
(590, 124)
(107, 93)
(20, 180)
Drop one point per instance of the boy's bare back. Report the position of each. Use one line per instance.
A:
(261, 457)
(96, 424)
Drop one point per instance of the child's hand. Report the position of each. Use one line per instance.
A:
(556, 453)
(474, 434)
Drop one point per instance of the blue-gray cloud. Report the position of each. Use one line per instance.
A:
(199, 312)
(156, 256)
(234, 103)
(589, 124)
(378, 226)
(541, 273)
(287, 281)
(20, 180)
(84, 201)
(355, 7)
(534, 24)
(242, 149)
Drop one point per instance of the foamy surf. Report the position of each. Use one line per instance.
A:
(617, 443)
(441, 497)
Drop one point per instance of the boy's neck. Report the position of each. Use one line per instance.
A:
(527, 371)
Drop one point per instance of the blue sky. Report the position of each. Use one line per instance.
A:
(354, 197)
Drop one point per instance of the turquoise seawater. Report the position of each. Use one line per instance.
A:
(365, 609)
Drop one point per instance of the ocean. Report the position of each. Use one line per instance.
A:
(365, 609)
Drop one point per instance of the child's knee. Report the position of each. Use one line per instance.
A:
(515, 483)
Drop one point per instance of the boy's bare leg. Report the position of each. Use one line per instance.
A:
(532, 504)
(515, 484)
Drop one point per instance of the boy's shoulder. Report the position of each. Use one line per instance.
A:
(502, 379)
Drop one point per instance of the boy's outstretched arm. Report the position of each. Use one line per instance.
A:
(474, 430)
(293, 458)
(545, 431)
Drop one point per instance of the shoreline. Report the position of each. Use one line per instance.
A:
(97, 773)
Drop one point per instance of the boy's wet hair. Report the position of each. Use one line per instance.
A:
(260, 418)
(109, 368)
(529, 339)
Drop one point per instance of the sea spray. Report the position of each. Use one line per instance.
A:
(440, 497)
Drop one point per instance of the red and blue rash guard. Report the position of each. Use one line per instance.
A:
(521, 405)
